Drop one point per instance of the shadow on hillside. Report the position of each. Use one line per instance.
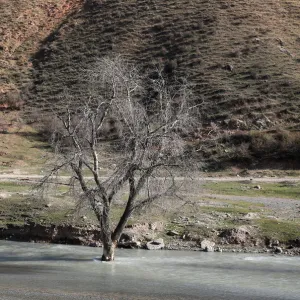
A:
(36, 137)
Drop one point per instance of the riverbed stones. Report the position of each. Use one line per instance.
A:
(155, 244)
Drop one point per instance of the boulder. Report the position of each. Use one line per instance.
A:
(127, 237)
(155, 244)
(207, 245)
(240, 236)
(209, 249)
(278, 250)
(130, 245)
(129, 240)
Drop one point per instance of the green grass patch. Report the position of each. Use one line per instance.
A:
(53, 216)
(244, 204)
(14, 187)
(277, 190)
(234, 209)
(281, 230)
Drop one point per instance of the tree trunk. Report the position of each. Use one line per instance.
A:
(109, 244)
(108, 251)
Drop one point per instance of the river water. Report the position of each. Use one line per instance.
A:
(43, 271)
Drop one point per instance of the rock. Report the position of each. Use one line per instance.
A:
(157, 226)
(257, 187)
(278, 250)
(241, 235)
(127, 237)
(184, 219)
(250, 216)
(48, 205)
(142, 231)
(137, 244)
(206, 244)
(172, 233)
(295, 242)
(128, 240)
(209, 249)
(244, 172)
(274, 243)
(258, 242)
(152, 226)
(130, 245)
(95, 244)
(84, 218)
(155, 245)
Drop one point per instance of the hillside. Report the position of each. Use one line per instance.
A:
(243, 57)
(23, 26)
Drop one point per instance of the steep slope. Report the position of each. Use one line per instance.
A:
(23, 25)
(243, 56)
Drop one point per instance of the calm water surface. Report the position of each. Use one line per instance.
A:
(42, 271)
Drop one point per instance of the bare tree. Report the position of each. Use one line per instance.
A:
(151, 118)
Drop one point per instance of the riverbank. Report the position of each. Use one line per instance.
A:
(246, 215)
(137, 236)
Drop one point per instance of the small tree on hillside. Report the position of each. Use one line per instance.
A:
(150, 118)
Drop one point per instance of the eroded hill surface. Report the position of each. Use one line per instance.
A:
(23, 25)
(243, 56)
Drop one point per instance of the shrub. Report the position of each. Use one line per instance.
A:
(11, 100)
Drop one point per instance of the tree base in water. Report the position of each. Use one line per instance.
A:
(108, 252)
(107, 258)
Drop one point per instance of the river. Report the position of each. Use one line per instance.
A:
(48, 271)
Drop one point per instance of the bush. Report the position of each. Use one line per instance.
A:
(263, 144)
(11, 100)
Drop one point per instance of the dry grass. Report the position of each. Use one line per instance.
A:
(243, 57)
(24, 24)
(21, 149)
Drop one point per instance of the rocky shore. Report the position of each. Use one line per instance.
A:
(153, 236)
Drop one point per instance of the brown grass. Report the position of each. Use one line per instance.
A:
(24, 24)
(241, 56)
